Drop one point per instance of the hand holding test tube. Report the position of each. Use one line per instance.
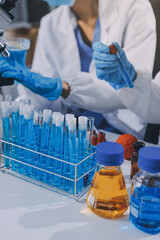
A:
(113, 66)
(121, 66)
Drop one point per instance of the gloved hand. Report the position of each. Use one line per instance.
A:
(46, 87)
(107, 65)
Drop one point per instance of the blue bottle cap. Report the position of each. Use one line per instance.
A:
(109, 154)
(149, 159)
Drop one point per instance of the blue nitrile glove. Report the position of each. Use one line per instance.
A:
(46, 87)
(107, 65)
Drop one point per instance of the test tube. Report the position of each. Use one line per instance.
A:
(58, 167)
(52, 140)
(94, 143)
(37, 127)
(68, 117)
(45, 135)
(6, 131)
(82, 128)
(90, 126)
(73, 151)
(1, 130)
(67, 167)
(51, 151)
(27, 101)
(21, 136)
(14, 133)
(30, 141)
(121, 66)
(102, 137)
(8, 98)
(66, 137)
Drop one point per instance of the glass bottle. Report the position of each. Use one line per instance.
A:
(134, 159)
(145, 191)
(108, 196)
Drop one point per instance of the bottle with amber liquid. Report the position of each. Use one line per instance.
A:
(108, 196)
(134, 159)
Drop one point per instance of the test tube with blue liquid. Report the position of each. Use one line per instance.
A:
(21, 137)
(87, 161)
(45, 136)
(67, 167)
(51, 150)
(30, 142)
(1, 129)
(29, 138)
(6, 131)
(121, 66)
(37, 127)
(73, 154)
(82, 129)
(58, 167)
(14, 134)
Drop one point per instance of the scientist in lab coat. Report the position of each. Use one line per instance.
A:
(144, 97)
(63, 43)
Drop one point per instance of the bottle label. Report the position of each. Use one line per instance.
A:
(91, 199)
(134, 211)
(143, 213)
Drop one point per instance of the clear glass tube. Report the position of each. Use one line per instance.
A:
(45, 136)
(6, 130)
(14, 133)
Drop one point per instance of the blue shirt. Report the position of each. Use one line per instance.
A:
(86, 56)
(85, 51)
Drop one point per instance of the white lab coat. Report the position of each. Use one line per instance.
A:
(131, 23)
(144, 98)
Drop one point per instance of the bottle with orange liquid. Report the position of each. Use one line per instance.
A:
(108, 196)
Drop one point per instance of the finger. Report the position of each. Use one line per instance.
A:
(9, 74)
(100, 74)
(105, 57)
(106, 65)
(100, 47)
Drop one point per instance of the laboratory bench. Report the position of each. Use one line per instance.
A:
(28, 211)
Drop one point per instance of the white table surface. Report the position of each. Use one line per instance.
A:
(30, 212)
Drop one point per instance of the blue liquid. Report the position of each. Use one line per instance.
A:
(58, 154)
(45, 135)
(82, 168)
(67, 167)
(6, 137)
(21, 143)
(37, 131)
(30, 143)
(145, 209)
(74, 160)
(14, 139)
(51, 152)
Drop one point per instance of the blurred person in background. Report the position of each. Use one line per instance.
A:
(64, 57)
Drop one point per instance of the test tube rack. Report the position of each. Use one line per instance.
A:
(74, 187)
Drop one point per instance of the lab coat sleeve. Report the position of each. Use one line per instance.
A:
(140, 35)
(44, 65)
(88, 92)
(144, 98)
